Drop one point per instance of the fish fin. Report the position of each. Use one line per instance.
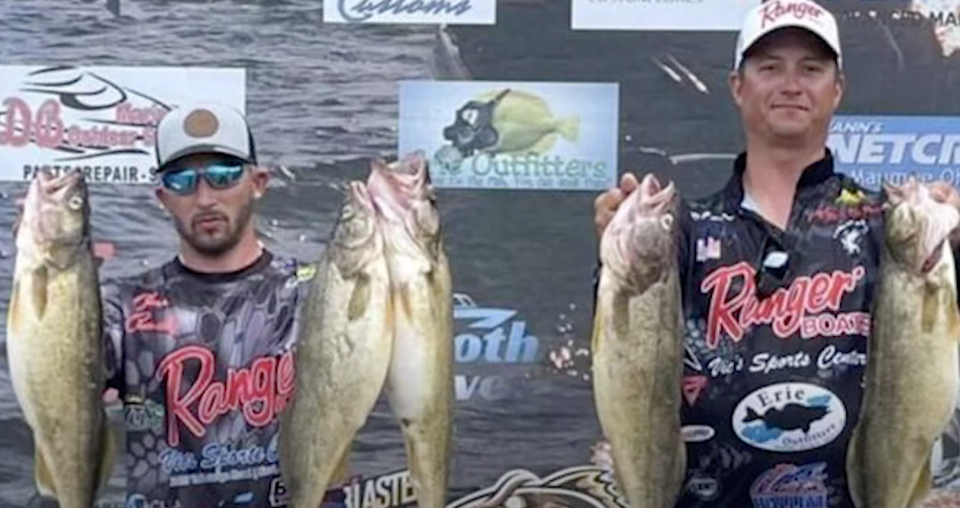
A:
(569, 128)
(342, 473)
(544, 145)
(427, 463)
(854, 486)
(108, 453)
(411, 448)
(924, 484)
(38, 290)
(595, 337)
(42, 476)
(360, 298)
(13, 309)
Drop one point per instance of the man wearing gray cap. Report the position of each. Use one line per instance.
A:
(200, 348)
(772, 388)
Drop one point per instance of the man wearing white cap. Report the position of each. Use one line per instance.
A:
(200, 348)
(774, 386)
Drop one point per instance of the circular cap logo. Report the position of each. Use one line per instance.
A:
(201, 123)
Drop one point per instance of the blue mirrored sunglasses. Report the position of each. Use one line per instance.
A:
(218, 176)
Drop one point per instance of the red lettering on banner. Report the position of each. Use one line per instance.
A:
(21, 126)
(261, 391)
(129, 114)
(772, 11)
(143, 318)
(45, 127)
(785, 310)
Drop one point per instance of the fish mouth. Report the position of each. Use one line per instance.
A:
(53, 184)
(393, 187)
(68, 188)
(359, 193)
(653, 197)
(927, 224)
(650, 200)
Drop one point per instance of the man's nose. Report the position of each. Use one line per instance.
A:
(791, 81)
(205, 195)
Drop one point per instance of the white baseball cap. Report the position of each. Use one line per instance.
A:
(203, 128)
(775, 14)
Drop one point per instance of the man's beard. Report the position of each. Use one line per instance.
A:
(215, 246)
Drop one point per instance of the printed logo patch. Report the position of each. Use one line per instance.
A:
(789, 417)
(697, 433)
(692, 386)
(790, 485)
(704, 488)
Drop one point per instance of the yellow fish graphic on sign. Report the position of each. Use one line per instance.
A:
(509, 122)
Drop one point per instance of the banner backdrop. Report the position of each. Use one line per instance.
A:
(597, 87)
(99, 119)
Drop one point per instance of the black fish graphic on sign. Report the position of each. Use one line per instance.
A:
(792, 416)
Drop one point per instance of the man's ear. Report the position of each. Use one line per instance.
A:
(839, 85)
(260, 177)
(735, 82)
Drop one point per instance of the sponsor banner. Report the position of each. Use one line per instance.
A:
(941, 18)
(513, 135)
(586, 486)
(98, 119)
(494, 353)
(659, 14)
(447, 12)
(873, 149)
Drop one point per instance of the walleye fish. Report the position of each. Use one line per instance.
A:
(55, 344)
(342, 355)
(638, 347)
(911, 377)
(420, 380)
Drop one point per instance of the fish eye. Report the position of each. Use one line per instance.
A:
(75, 202)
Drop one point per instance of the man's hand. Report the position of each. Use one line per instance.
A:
(606, 204)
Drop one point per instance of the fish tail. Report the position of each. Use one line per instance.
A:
(46, 487)
(310, 492)
(108, 450)
(569, 128)
(924, 484)
(853, 468)
(751, 415)
(428, 452)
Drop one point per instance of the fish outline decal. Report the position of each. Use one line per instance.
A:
(789, 417)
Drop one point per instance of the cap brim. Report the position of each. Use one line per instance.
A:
(205, 149)
(750, 47)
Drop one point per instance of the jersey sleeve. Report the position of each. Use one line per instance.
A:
(113, 331)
